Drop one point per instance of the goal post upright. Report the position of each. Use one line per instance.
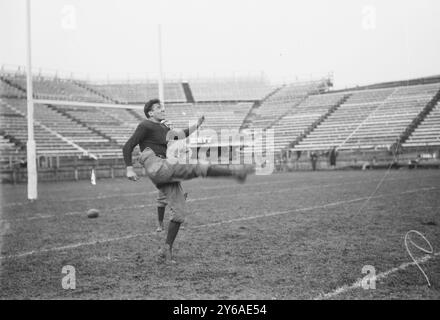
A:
(160, 78)
(30, 146)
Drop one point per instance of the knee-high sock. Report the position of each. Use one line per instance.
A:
(173, 229)
(160, 214)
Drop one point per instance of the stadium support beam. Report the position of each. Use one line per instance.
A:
(160, 79)
(31, 146)
(88, 104)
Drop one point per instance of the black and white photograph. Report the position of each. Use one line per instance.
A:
(240, 153)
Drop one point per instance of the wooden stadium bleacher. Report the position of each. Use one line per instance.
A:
(370, 119)
(226, 115)
(10, 153)
(282, 102)
(100, 120)
(8, 91)
(53, 88)
(69, 129)
(14, 126)
(302, 117)
(140, 92)
(428, 132)
(245, 89)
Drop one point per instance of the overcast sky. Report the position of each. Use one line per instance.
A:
(361, 42)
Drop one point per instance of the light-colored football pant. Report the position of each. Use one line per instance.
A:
(167, 177)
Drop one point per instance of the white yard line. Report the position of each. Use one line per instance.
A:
(271, 214)
(12, 204)
(38, 216)
(250, 184)
(380, 276)
(72, 246)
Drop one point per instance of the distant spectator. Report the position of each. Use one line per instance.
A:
(332, 157)
(374, 162)
(23, 163)
(278, 165)
(413, 163)
(395, 148)
(284, 162)
(42, 162)
(313, 159)
(395, 164)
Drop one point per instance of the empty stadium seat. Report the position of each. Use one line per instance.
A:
(141, 92)
(54, 88)
(283, 101)
(372, 118)
(65, 127)
(428, 132)
(14, 126)
(250, 89)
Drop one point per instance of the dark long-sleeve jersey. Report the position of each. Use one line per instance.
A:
(149, 134)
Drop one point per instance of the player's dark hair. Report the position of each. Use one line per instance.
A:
(149, 106)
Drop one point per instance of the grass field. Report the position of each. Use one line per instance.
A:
(301, 235)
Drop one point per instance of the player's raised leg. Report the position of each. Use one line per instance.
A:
(161, 171)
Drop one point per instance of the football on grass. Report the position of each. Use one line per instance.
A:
(93, 213)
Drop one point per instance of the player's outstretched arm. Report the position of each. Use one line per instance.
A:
(194, 127)
(178, 134)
